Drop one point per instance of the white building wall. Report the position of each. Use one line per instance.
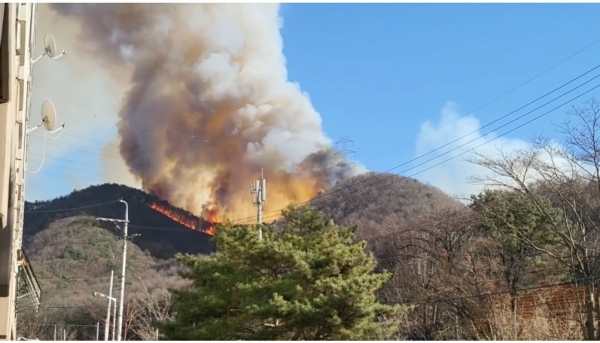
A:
(15, 73)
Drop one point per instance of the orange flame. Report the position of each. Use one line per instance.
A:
(207, 227)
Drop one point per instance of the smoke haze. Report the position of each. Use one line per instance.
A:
(208, 103)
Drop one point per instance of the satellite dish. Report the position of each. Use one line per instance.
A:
(50, 45)
(48, 121)
(48, 118)
(50, 49)
(48, 114)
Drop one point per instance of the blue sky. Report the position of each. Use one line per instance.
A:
(378, 73)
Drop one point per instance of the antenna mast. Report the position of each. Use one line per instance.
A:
(258, 189)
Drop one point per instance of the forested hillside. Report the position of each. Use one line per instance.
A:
(72, 258)
(439, 252)
(520, 261)
(160, 235)
(73, 254)
(380, 204)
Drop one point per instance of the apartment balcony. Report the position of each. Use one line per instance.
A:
(29, 293)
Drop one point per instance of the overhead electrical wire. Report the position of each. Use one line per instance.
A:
(115, 239)
(469, 112)
(91, 139)
(419, 157)
(386, 172)
(462, 145)
(76, 161)
(92, 173)
(79, 148)
(494, 99)
(421, 136)
(66, 278)
(160, 228)
(499, 136)
(60, 324)
(97, 181)
(439, 297)
(72, 208)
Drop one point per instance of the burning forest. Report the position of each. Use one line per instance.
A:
(208, 104)
(206, 225)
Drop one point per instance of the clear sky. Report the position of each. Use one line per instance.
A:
(383, 75)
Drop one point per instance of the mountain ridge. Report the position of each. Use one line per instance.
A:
(159, 234)
(166, 229)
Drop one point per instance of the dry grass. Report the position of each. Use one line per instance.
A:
(541, 323)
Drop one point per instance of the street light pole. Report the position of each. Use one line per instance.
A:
(107, 322)
(114, 324)
(123, 264)
(111, 300)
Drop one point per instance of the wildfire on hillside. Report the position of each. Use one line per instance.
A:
(207, 225)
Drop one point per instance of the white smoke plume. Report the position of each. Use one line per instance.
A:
(208, 103)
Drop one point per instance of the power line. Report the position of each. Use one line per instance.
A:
(61, 325)
(89, 172)
(487, 142)
(493, 100)
(72, 208)
(440, 297)
(81, 307)
(469, 112)
(502, 95)
(90, 139)
(166, 228)
(75, 161)
(327, 194)
(424, 135)
(74, 279)
(470, 133)
(80, 148)
(46, 171)
(462, 145)
(80, 242)
(526, 289)
(464, 136)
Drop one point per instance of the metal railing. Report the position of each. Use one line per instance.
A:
(29, 287)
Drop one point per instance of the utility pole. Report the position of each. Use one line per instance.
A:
(258, 188)
(122, 295)
(107, 322)
(123, 265)
(113, 301)
(343, 151)
(114, 323)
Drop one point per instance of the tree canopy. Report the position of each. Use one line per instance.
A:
(306, 280)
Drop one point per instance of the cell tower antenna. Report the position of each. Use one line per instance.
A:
(258, 189)
(343, 151)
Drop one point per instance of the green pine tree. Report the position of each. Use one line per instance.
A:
(307, 280)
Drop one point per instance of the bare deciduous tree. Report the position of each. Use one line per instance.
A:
(569, 177)
(154, 305)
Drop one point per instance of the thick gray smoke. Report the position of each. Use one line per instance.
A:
(209, 103)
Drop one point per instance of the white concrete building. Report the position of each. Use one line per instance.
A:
(17, 281)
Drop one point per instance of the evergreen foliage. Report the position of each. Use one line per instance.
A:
(307, 280)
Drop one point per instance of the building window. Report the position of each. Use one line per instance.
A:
(4, 54)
